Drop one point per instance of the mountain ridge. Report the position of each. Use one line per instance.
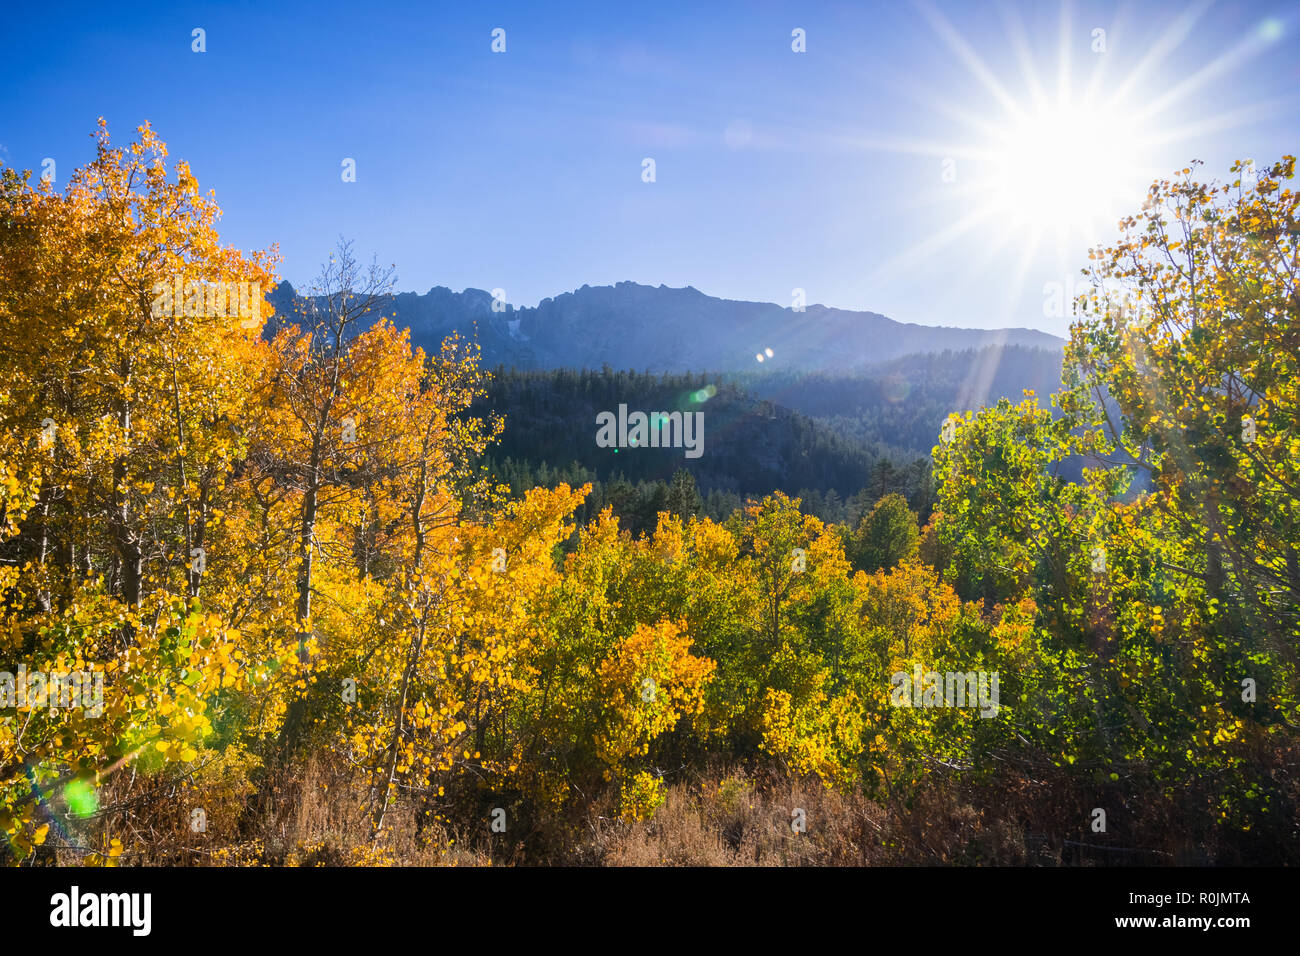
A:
(667, 329)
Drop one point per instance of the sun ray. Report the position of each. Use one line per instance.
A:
(1168, 41)
(943, 107)
(1244, 49)
(1101, 69)
(1013, 288)
(913, 147)
(1020, 45)
(1063, 38)
(974, 389)
(945, 31)
(928, 246)
(1223, 121)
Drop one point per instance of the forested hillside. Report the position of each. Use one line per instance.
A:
(839, 441)
(750, 447)
(896, 407)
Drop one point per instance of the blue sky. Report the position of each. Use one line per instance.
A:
(775, 170)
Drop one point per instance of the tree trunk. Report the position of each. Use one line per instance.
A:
(306, 556)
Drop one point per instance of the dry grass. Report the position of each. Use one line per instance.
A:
(725, 816)
(736, 820)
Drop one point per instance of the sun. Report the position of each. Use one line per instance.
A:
(1047, 151)
(1064, 168)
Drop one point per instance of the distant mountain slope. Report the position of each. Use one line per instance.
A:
(762, 430)
(749, 446)
(898, 406)
(661, 329)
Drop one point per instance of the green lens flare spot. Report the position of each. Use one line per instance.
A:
(81, 799)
